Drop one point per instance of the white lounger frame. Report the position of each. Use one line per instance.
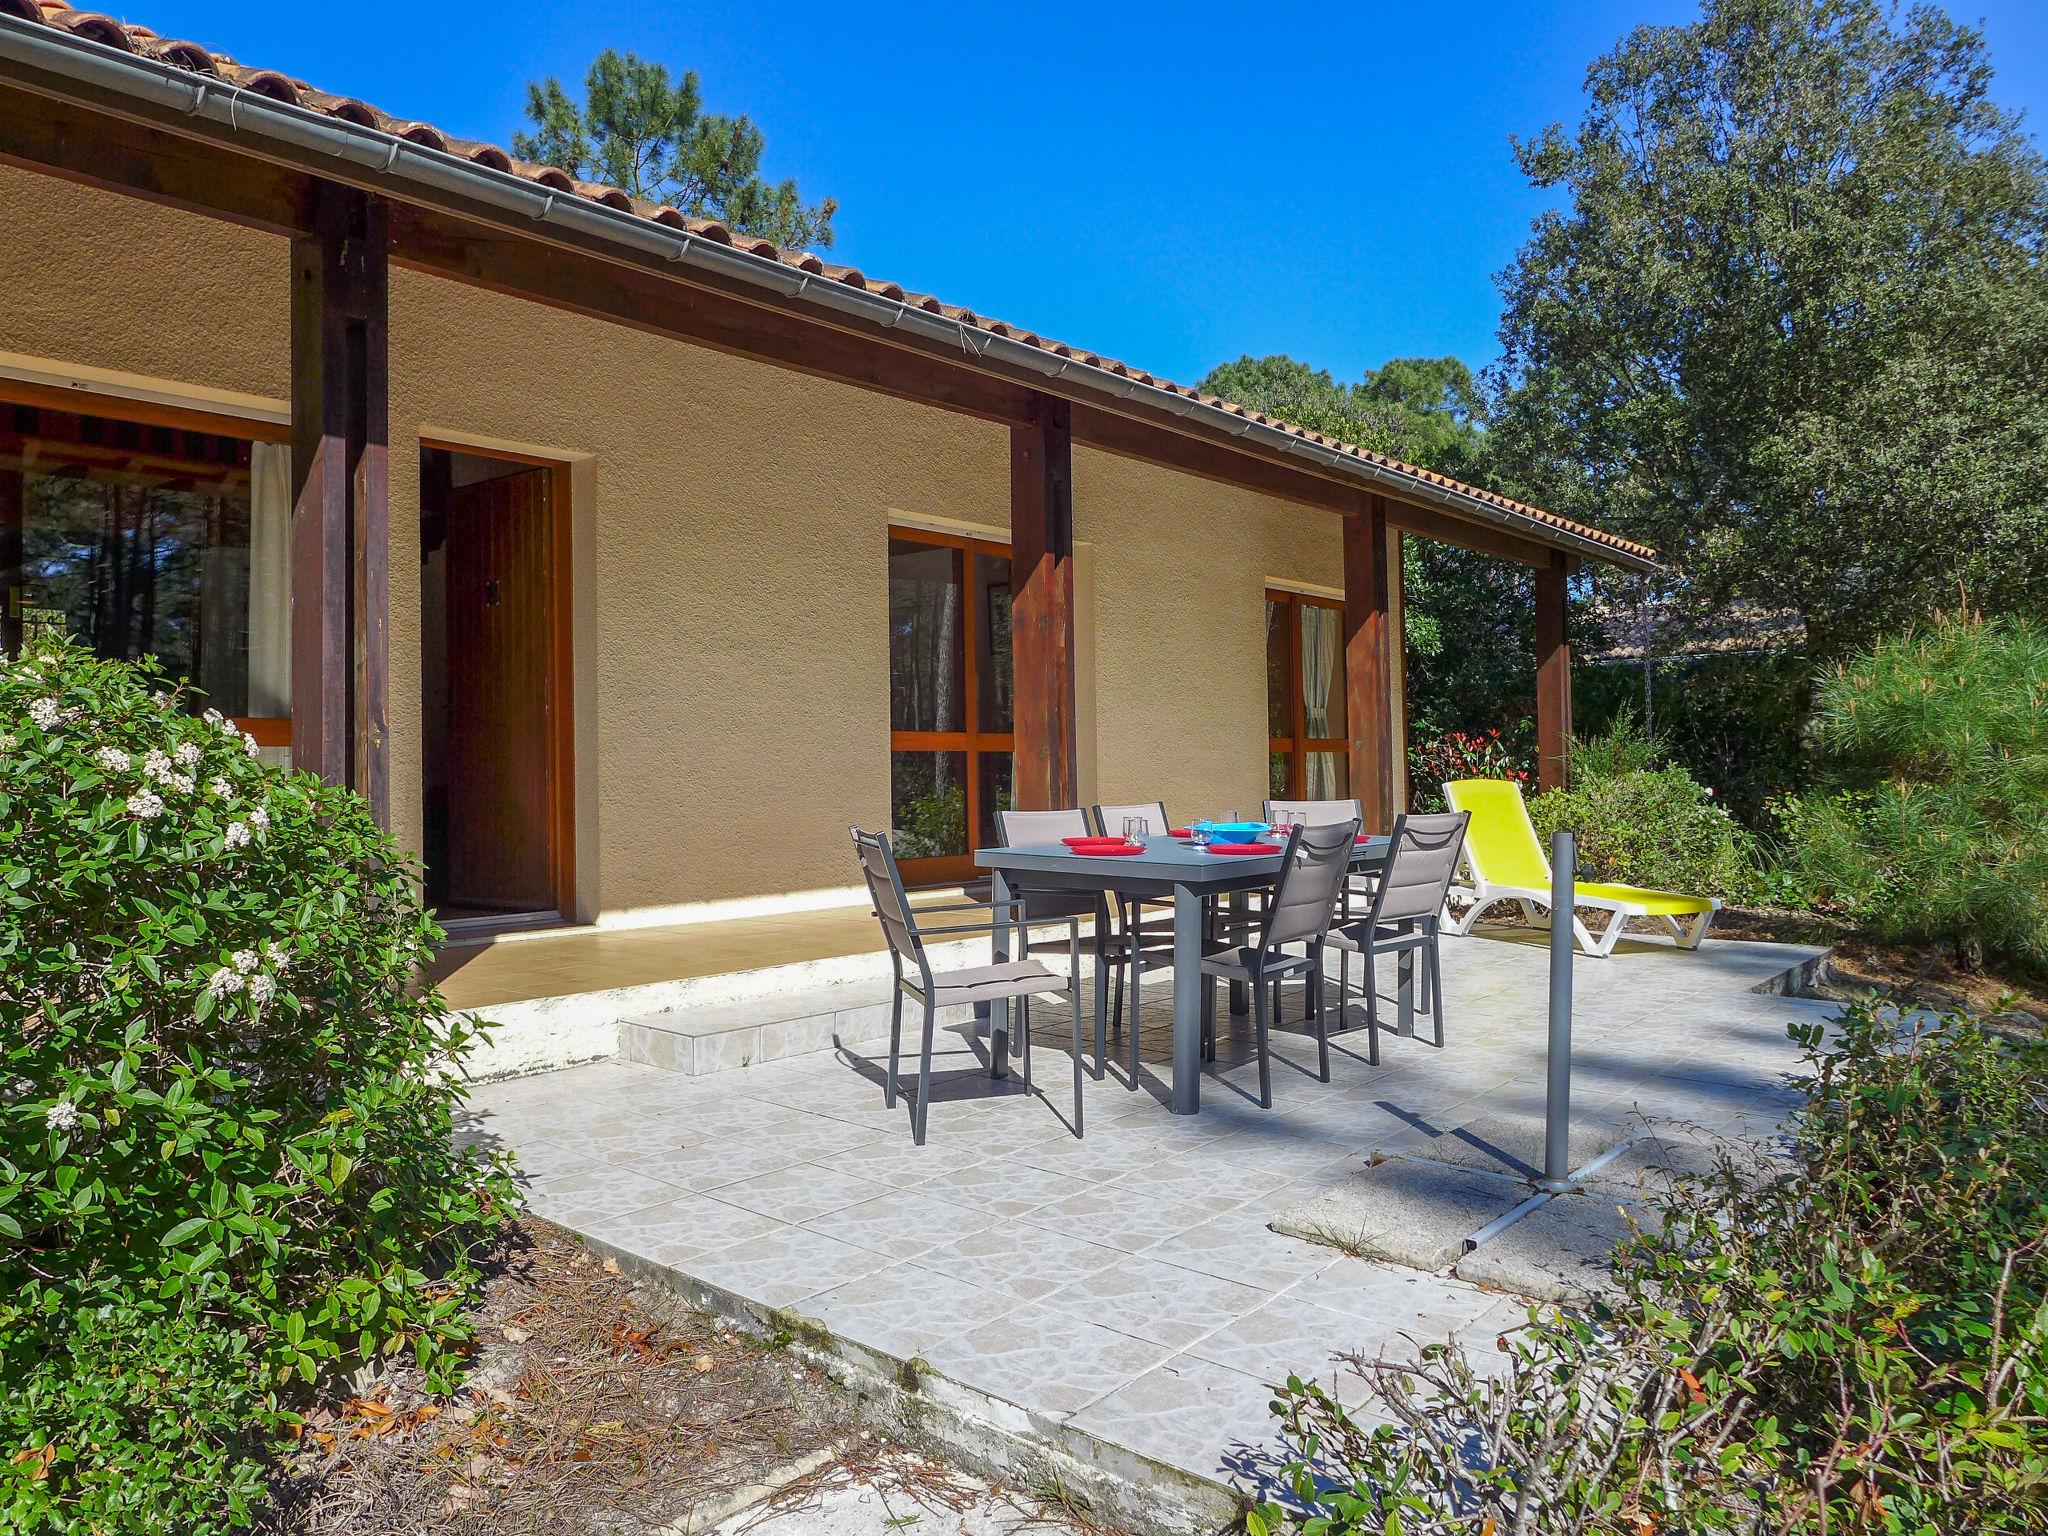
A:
(1536, 909)
(1482, 893)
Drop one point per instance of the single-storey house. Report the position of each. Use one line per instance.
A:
(623, 561)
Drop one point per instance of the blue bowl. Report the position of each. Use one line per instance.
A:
(1232, 831)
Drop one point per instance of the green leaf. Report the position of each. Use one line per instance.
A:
(184, 1231)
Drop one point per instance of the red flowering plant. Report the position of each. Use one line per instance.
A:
(1459, 755)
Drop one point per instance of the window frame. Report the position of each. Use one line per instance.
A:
(1295, 746)
(973, 741)
(269, 730)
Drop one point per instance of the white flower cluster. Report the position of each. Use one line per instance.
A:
(227, 727)
(241, 833)
(244, 972)
(46, 713)
(157, 766)
(187, 754)
(113, 759)
(218, 786)
(146, 804)
(62, 1116)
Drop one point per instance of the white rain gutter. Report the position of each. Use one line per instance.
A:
(52, 51)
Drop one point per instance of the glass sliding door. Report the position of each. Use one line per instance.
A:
(950, 704)
(1308, 736)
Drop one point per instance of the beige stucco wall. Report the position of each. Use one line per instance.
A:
(1181, 567)
(730, 525)
(731, 623)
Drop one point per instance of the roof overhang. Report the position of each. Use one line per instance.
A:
(51, 61)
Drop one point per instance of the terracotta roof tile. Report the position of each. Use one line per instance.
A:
(201, 60)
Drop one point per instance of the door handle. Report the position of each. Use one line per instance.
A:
(491, 594)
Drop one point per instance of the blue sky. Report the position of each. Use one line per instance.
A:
(1172, 185)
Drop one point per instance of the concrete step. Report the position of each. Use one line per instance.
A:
(719, 1037)
(547, 1032)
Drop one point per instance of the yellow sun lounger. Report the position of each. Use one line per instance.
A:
(1505, 862)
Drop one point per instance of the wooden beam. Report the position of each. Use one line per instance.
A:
(474, 253)
(1199, 452)
(13, 591)
(1368, 665)
(1480, 538)
(1553, 678)
(1227, 465)
(1045, 764)
(72, 141)
(1397, 667)
(341, 532)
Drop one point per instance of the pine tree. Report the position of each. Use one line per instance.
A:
(642, 131)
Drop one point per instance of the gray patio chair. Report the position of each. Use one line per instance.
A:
(1151, 934)
(1109, 819)
(1322, 813)
(1316, 813)
(1000, 980)
(1300, 911)
(1050, 904)
(1406, 914)
(1109, 822)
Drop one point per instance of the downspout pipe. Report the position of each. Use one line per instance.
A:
(52, 52)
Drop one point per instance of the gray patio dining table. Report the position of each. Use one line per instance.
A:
(1168, 868)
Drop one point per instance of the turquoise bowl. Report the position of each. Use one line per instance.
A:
(1232, 831)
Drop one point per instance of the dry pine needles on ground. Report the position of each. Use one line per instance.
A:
(600, 1405)
(595, 1404)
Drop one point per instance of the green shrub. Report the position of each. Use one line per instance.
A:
(1650, 826)
(1934, 824)
(1624, 747)
(1850, 1340)
(1736, 720)
(226, 1162)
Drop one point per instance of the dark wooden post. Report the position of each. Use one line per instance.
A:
(1045, 764)
(341, 525)
(1368, 664)
(13, 582)
(1553, 676)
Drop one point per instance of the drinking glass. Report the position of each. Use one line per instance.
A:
(1135, 828)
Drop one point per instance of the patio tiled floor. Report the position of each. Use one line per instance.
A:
(1127, 1284)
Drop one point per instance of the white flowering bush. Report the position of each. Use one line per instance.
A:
(226, 1154)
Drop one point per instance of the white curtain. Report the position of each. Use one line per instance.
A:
(270, 579)
(1318, 677)
(1318, 667)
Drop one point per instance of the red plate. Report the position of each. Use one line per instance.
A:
(1093, 842)
(1180, 831)
(1119, 850)
(1244, 848)
(1363, 837)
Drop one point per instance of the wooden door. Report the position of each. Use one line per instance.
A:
(500, 624)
